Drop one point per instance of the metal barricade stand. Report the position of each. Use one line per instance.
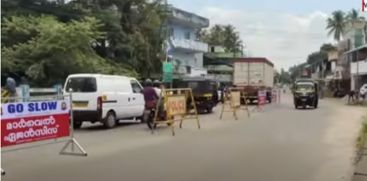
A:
(174, 102)
(233, 102)
(72, 142)
(72, 147)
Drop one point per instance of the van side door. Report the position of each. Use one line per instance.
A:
(137, 103)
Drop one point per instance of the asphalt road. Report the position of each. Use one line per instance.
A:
(279, 144)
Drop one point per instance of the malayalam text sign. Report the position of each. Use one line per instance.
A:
(176, 105)
(27, 122)
(236, 99)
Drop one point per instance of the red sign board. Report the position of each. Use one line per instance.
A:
(261, 97)
(28, 122)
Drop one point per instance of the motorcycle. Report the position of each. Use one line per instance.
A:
(149, 118)
(149, 115)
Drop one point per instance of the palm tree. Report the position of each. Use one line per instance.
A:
(336, 24)
(353, 15)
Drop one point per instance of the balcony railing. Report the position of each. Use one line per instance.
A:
(189, 45)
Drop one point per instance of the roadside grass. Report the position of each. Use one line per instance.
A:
(361, 140)
(362, 134)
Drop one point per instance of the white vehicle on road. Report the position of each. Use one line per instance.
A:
(104, 98)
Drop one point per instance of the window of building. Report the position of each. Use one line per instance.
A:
(187, 35)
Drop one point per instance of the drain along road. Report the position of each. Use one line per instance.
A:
(279, 144)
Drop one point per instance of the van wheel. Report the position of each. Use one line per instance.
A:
(110, 120)
(77, 125)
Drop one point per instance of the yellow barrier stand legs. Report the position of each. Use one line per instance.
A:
(175, 104)
(246, 108)
(196, 116)
(233, 102)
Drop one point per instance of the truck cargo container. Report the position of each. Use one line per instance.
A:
(252, 75)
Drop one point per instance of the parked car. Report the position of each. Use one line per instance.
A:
(305, 93)
(104, 98)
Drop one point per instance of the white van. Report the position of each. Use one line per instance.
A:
(104, 98)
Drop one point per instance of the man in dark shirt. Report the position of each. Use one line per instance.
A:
(150, 95)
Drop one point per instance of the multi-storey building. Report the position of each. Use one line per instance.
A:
(184, 49)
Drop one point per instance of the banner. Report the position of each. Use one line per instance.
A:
(27, 122)
(176, 105)
(236, 98)
(261, 97)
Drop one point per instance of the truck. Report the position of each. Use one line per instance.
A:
(252, 74)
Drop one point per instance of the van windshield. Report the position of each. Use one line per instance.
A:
(81, 84)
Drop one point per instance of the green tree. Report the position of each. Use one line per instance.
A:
(296, 71)
(327, 47)
(336, 24)
(316, 57)
(354, 15)
(51, 50)
(223, 35)
(214, 36)
(132, 27)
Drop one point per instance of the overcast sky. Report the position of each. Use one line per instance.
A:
(284, 31)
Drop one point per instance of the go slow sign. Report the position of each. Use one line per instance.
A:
(27, 122)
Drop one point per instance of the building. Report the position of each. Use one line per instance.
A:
(220, 64)
(358, 66)
(348, 63)
(184, 50)
(356, 56)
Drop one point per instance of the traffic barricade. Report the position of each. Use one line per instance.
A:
(178, 105)
(37, 122)
(232, 102)
(261, 100)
